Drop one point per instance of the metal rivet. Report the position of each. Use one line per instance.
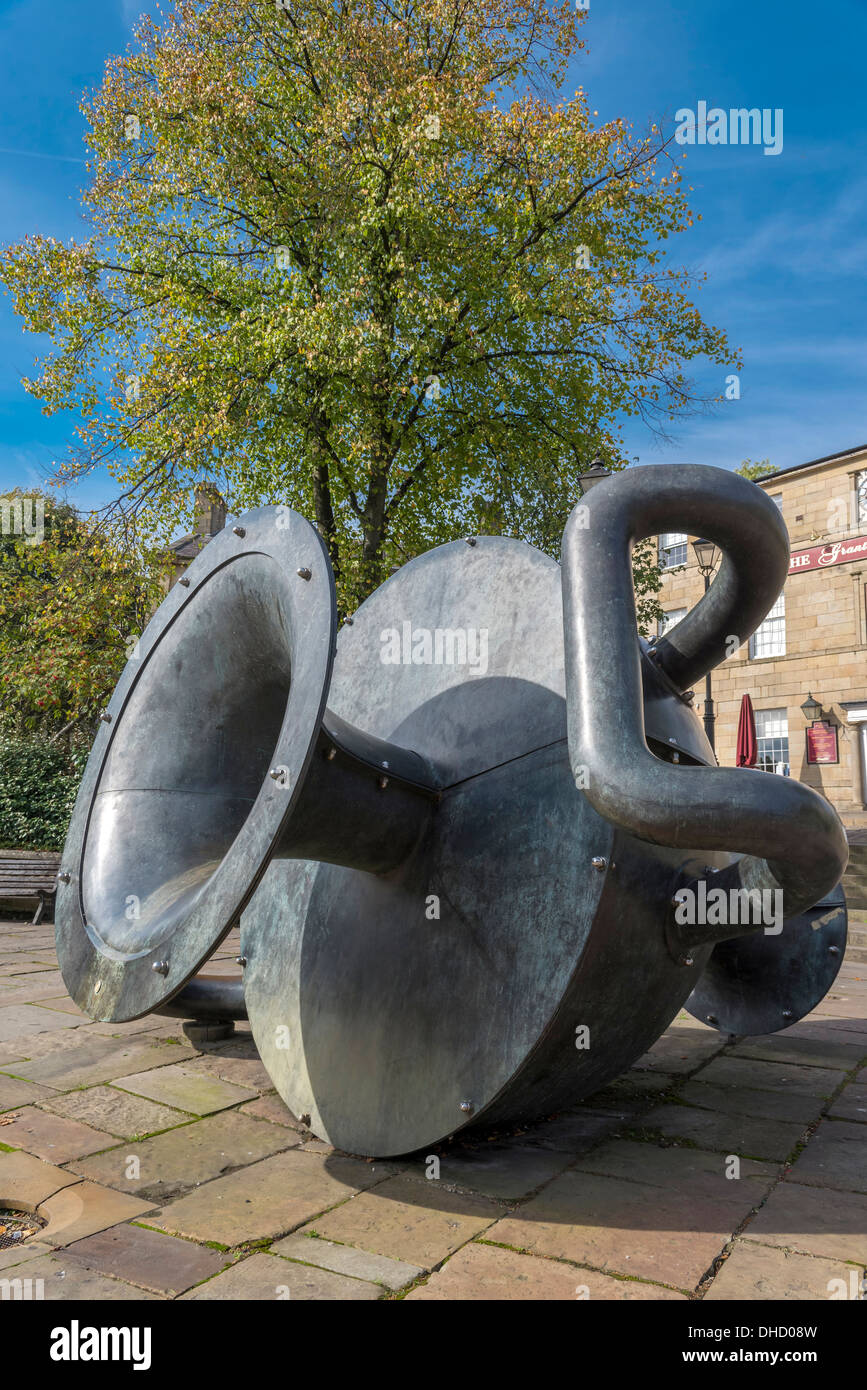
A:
(470, 540)
(349, 622)
(331, 754)
(160, 967)
(467, 1107)
(599, 863)
(687, 960)
(672, 740)
(239, 531)
(787, 1013)
(382, 783)
(709, 869)
(384, 764)
(275, 772)
(303, 574)
(185, 583)
(834, 950)
(64, 877)
(241, 960)
(105, 717)
(712, 1018)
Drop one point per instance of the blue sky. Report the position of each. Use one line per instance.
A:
(782, 237)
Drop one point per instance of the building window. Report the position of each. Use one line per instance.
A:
(772, 738)
(669, 620)
(770, 638)
(672, 550)
(861, 499)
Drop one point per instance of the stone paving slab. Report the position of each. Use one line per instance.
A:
(757, 1272)
(268, 1276)
(245, 1071)
(730, 1134)
(27, 1181)
(837, 1053)
(268, 1200)
(116, 1112)
(506, 1171)
(690, 1172)
(836, 1157)
(69, 1280)
(171, 1163)
(346, 1259)
(15, 1255)
(83, 1209)
(272, 1108)
(149, 1259)
(771, 1105)
(408, 1220)
(576, 1131)
(814, 1221)
(51, 1137)
(682, 1050)
(623, 1227)
(186, 1089)
(481, 1271)
(18, 1020)
(92, 1060)
(852, 1105)
(772, 1076)
(14, 1092)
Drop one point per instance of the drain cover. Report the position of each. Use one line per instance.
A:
(17, 1226)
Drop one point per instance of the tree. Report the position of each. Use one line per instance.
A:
(760, 469)
(367, 260)
(71, 609)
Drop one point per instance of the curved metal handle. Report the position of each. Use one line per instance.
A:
(791, 837)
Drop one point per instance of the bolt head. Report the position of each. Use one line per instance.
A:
(834, 950)
(467, 1107)
(64, 877)
(787, 1013)
(712, 1018)
(687, 960)
(599, 864)
(239, 531)
(160, 967)
(274, 772)
(349, 622)
(303, 573)
(105, 717)
(241, 960)
(470, 540)
(185, 583)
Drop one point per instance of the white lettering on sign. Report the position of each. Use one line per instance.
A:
(820, 556)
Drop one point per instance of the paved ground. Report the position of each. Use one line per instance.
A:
(708, 1171)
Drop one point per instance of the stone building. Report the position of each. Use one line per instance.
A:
(209, 517)
(812, 644)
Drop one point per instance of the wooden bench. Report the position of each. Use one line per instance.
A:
(28, 878)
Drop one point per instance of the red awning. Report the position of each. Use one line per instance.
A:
(747, 746)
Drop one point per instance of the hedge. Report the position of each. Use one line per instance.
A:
(38, 785)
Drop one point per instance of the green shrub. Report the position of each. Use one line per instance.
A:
(38, 785)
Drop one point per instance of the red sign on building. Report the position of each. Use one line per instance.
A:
(822, 743)
(820, 556)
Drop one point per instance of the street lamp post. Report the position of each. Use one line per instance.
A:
(705, 554)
